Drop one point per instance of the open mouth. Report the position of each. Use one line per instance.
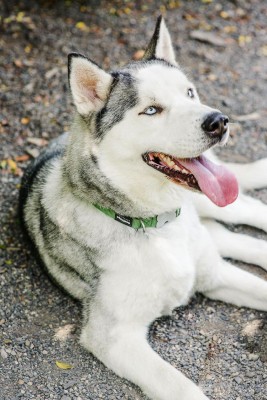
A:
(199, 174)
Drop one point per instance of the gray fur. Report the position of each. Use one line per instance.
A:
(123, 96)
(82, 178)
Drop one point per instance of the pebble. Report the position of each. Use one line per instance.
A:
(253, 357)
(3, 353)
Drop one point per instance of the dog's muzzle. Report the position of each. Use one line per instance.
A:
(215, 125)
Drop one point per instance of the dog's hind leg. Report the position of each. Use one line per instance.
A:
(238, 246)
(245, 210)
(123, 347)
(252, 175)
(220, 280)
(230, 284)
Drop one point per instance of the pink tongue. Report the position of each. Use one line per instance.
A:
(218, 184)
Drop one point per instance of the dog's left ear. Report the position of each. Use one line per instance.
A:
(89, 84)
(160, 45)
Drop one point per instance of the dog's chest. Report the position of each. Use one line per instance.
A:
(149, 276)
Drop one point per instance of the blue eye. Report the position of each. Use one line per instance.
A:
(151, 110)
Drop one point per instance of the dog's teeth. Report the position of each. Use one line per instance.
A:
(176, 167)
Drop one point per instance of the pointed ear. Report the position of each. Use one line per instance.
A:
(89, 84)
(160, 45)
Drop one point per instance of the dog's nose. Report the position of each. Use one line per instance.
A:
(215, 125)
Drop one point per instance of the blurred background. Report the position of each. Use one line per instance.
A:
(222, 46)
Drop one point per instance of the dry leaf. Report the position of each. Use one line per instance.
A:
(138, 55)
(63, 365)
(32, 152)
(82, 26)
(25, 120)
(63, 332)
(28, 48)
(18, 63)
(248, 117)
(224, 14)
(243, 40)
(264, 50)
(230, 29)
(207, 37)
(37, 141)
(24, 157)
(12, 165)
(252, 327)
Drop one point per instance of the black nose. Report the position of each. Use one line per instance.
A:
(215, 125)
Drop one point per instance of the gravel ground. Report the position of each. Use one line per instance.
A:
(219, 346)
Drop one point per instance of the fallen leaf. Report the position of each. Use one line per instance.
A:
(20, 16)
(63, 365)
(18, 63)
(162, 9)
(207, 37)
(252, 327)
(3, 164)
(37, 141)
(24, 157)
(4, 122)
(127, 10)
(264, 50)
(63, 332)
(12, 165)
(174, 4)
(52, 72)
(243, 40)
(28, 48)
(82, 26)
(224, 14)
(25, 120)
(230, 29)
(247, 117)
(32, 152)
(138, 55)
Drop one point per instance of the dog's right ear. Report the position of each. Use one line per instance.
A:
(160, 46)
(89, 84)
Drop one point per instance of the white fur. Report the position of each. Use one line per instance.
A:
(146, 275)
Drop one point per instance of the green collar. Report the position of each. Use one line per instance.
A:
(153, 222)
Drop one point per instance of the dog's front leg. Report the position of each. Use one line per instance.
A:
(123, 347)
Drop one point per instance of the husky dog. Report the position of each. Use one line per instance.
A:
(114, 211)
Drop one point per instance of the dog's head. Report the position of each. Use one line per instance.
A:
(147, 124)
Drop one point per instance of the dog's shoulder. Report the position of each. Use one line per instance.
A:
(56, 149)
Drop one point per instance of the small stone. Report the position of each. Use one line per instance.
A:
(253, 357)
(20, 381)
(237, 379)
(3, 354)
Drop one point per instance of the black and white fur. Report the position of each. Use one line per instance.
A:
(125, 279)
